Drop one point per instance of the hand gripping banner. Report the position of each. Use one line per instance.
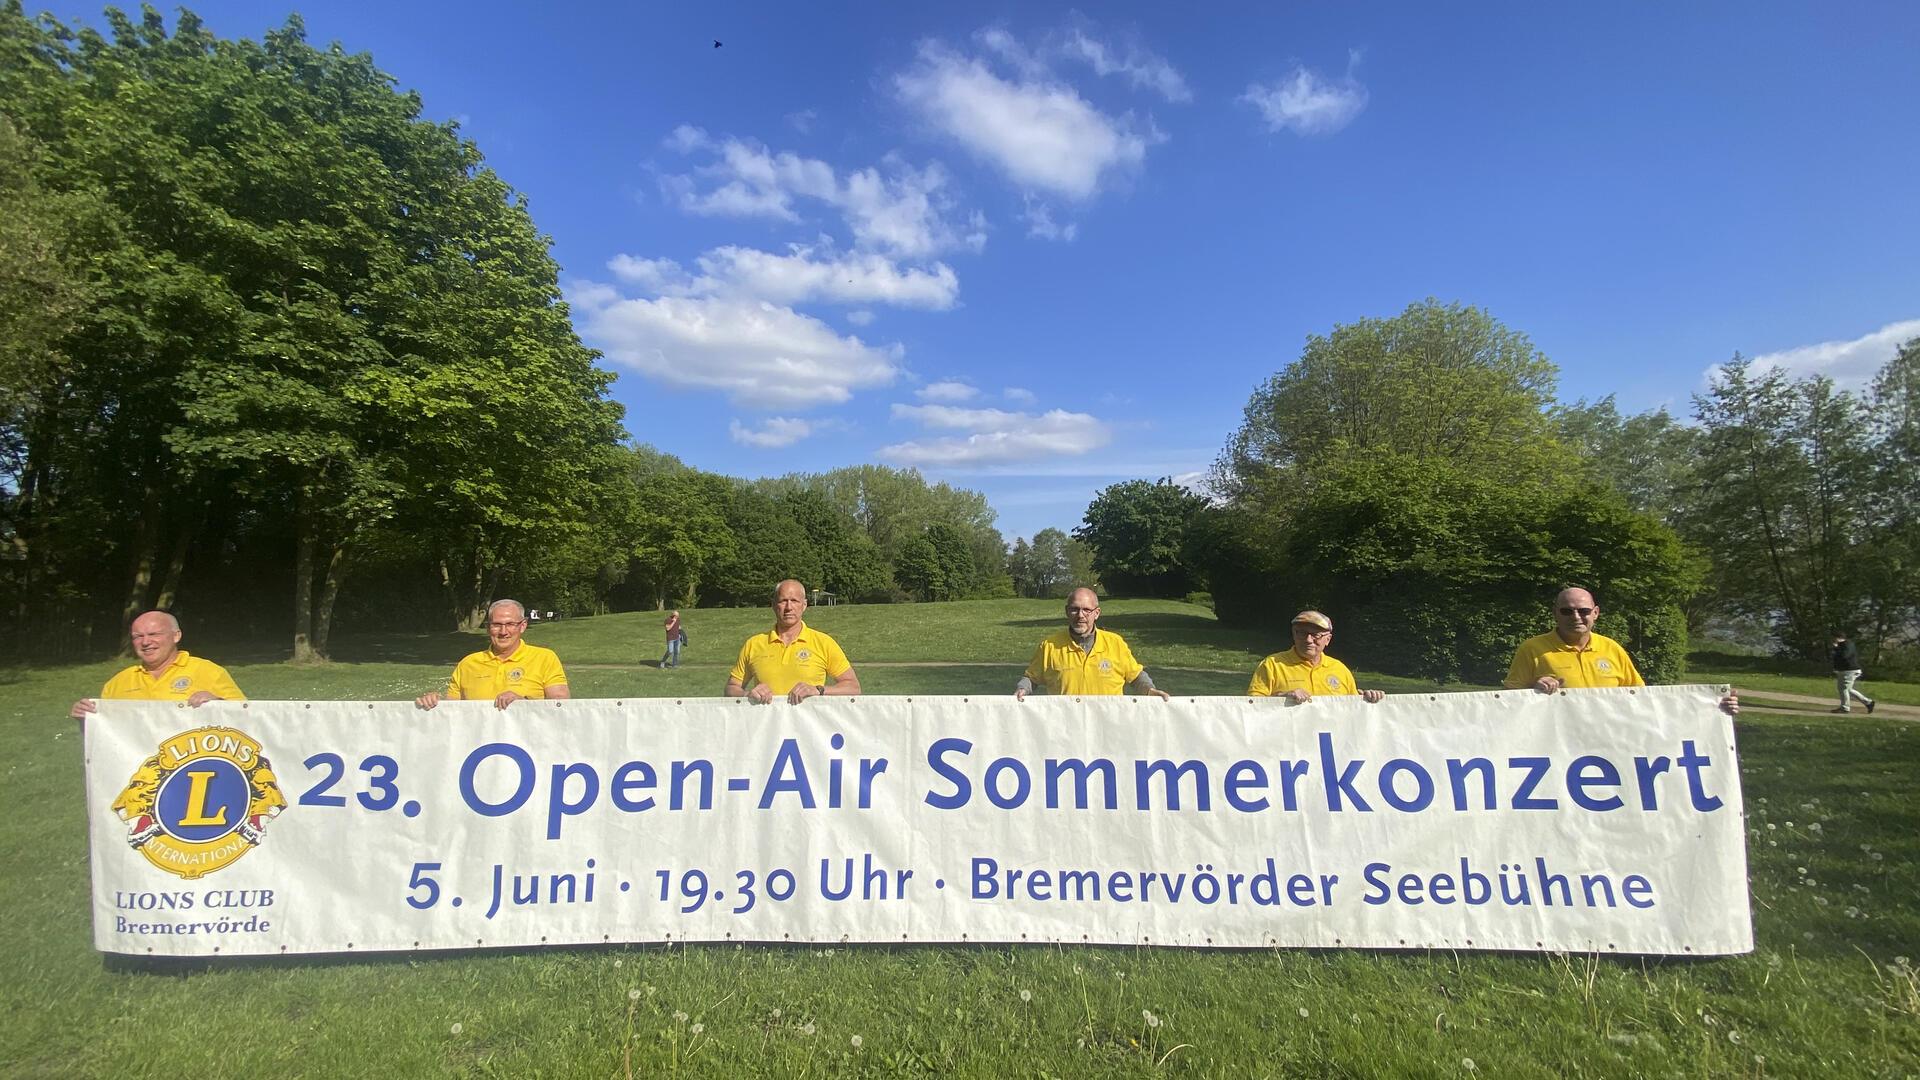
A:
(1595, 820)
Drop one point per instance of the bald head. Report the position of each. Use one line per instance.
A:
(1574, 612)
(156, 640)
(789, 604)
(1083, 610)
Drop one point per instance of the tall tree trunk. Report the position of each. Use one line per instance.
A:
(145, 540)
(177, 563)
(303, 581)
(329, 592)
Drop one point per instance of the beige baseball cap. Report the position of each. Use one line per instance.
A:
(1314, 618)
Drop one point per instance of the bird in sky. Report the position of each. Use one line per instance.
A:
(716, 43)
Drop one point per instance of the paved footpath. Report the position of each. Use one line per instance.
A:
(1884, 709)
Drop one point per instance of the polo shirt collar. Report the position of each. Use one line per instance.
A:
(510, 657)
(773, 635)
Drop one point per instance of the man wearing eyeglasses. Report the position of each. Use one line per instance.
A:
(508, 669)
(1574, 657)
(1083, 659)
(1304, 671)
(164, 672)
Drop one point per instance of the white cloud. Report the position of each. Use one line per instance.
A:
(861, 317)
(1142, 68)
(760, 354)
(947, 392)
(1041, 226)
(1020, 394)
(773, 433)
(802, 121)
(894, 208)
(803, 274)
(1036, 128)
(994, 436)
(845, 279)
(1306, 103)
(1850, 364)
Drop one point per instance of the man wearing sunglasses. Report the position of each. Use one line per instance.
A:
(508, 669)
(1574, 657)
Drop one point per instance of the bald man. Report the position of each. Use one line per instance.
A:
(793, 659)
(165, 672)
(1084, 659)
(1574, 657)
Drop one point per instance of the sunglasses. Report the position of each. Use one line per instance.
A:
(1583, 612)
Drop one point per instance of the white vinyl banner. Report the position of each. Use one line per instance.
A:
(1596, 820)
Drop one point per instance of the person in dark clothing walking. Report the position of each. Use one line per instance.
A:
(1846, 670)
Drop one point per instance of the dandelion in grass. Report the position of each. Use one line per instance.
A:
(697, 1028)
(807, 1028)
(679, 1017)
(1467, 1064)
(1152, 1020)
(1355, 1018)
(776, 1014)
(1026, 995)
(633, 994)
(1303, 1012)
(617, 963)
(856, 1040)
(456, 1029)
(1733, 1037)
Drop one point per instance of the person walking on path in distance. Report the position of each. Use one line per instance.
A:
(674, 637)
(1846, 671)
(1083, 659)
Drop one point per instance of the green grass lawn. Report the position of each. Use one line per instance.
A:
(1831, 989)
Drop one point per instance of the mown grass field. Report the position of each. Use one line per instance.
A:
(1831, 989)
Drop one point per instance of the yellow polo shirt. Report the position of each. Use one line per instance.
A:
(1602, 663)
(529, 671)
(1060, 666)
(810, 659)
(1284, 672)
(184, 677)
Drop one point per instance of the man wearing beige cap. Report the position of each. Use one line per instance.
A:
(1306, 669)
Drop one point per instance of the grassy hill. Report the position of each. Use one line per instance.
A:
(1831, 990)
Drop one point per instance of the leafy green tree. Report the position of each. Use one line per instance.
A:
(769, 547)
(1893, 552)
(1438, 381)
(850, 562)
(314, 314)
(1784, 466)
(1648, 458)
(1136, 530)
(917, 569)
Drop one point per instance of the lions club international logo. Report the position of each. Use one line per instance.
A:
(1333, 682)
(1603, 665)
(515, 674)
(200, 802)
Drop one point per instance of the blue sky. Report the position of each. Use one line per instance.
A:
(1036, 250)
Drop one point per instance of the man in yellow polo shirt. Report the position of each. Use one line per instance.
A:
(1574, 657)
(792, 659)
(165, 672)
(508, 669)
(1304, 671)
(1084, 659)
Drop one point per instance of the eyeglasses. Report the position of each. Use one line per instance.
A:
(1583, 612)
(504, 625)
(1082, 610)
(1309, 631)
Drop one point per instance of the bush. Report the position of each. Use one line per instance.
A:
(1204, 599)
